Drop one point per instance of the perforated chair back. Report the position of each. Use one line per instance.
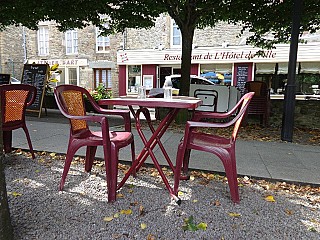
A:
(260, 103)
(71, 102)
(15, 98)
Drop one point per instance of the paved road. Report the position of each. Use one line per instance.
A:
(279, 161)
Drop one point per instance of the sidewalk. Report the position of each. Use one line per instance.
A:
(270, 160)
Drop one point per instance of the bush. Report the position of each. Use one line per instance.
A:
(101, 92)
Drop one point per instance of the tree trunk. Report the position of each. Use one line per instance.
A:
(6, 231)
(187, 33)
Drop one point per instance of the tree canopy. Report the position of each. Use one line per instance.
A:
(268, 21)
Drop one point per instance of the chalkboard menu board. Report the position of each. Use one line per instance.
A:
(4, 78)
(242, 75)
(36, 75)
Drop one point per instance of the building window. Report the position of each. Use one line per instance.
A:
(72, 76)
(134, 78)
(72, 42)
(43, 40)
(102, 42)
(102, 76)
(176, 38)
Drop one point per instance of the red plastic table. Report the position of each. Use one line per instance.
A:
(174, 105)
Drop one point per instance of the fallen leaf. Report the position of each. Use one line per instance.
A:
(100, 164)
(216, 203)
(233, 214)
(210, 176)
(269, 198)
(289, 212)
(126, 212)
(312, 229)
(116, 215)
(195, 200)
(107, 219)
(52, 154)
(202, 226)
(151, 237)
(41, 160)
(180, 193)
(143, 226)
(134, 203)
(314, 221)
(15, 194)
(141, 211)
(120, 195)
(191, 178)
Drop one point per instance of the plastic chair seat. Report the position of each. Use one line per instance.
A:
(95, 138)
(207, 142)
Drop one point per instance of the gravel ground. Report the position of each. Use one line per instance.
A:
(144, 209)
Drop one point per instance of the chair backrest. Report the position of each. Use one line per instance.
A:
(259, 88)
(242, 107)
(14, 100)
(70, 100)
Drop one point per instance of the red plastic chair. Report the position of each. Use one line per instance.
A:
(14, 100)
(70, 100)
(260, 103)
(223, 147)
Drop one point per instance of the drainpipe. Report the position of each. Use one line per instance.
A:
(24, 45)
(124, 39)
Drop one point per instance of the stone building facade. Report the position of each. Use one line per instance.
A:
(141, 52)
(19, 45)
(11, 51)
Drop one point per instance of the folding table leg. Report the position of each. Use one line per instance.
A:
(150, 144)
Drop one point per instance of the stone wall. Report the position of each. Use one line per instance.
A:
(222, 33)
(307, 113)
(11, 51)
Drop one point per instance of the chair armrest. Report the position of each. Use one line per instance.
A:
(125, 114)
(193, 124)
(198, 115)
(91, 118)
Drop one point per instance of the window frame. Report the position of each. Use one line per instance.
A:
(108, 80)
(43, 40)
(104, 41)
(73, 40)
(173, 35)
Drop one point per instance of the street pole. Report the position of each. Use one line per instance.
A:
(290, 92)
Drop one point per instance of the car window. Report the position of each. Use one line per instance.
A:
(199, 81)
(176, 82)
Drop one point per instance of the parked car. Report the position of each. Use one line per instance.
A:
(175, 79)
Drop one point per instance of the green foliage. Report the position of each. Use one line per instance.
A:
(101, 92)
(267, 21)
(191, 226)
